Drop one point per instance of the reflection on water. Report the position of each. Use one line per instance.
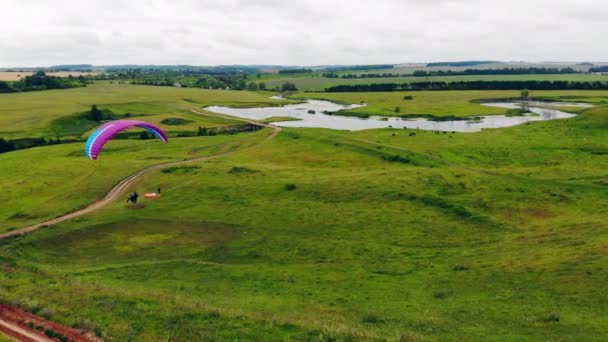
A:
(304, 112)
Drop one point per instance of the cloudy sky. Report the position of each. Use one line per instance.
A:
(299, 32)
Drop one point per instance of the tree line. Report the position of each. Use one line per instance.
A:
(470, 85)
(295, 71)
(41, 81)
(599, 69)
(505, 71)
(359, 67)
(460, 64)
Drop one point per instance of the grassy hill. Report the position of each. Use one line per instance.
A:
(321, 234)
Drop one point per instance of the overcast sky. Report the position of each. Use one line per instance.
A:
(295, 32)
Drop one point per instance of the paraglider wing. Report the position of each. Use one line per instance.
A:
(106, 132)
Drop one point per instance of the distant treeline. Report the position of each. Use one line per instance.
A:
(183, 78)
(183, 69)
(506, 71)
(41, 81)
(460, 64)
(599, 69)
(351, 76)
(359, 67)
(23, 143)
(470, 85)
(425, 73)
(295, 71)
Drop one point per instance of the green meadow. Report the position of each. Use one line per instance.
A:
(445, 103)
(316, 234)
(54, 113)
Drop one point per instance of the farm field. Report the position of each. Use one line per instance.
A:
(316, 234)
(17, 75)
(307, 82)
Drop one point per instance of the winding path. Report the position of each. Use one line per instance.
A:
(124, 184)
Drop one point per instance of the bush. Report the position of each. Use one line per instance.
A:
(144, 135)
(45, 313)
(175, 121)
(440, 295)
(290, 187)
(396, 159)
(460, 268)
(408, 98)
(372, 319)
(551, 318)
(239, 169)
(183, 169)
(214, 314)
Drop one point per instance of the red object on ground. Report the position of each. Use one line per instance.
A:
(15, 323)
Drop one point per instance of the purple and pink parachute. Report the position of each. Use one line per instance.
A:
(106, 132)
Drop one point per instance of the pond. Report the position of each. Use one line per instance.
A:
(311, 114)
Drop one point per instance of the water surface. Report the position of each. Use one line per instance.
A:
(311, 114)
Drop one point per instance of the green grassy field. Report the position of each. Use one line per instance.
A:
(309, 82)
(36, 113)
(326, 235)
(444, 103)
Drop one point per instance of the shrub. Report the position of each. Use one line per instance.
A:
(183, 169)
(175, 121)
(214, 314)
(440, 295)
(239, 169)
(460, 268)
(551, 318)
(45, 313)
(372, 318)
(290, 187)
(396, 159)
(408, 98)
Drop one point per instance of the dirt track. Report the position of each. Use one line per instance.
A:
(21, 326)
(120, 188)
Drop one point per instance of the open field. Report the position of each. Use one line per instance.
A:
(444, 103)
(317, 234)
(307, 82)
(17, 75)
(36, 113)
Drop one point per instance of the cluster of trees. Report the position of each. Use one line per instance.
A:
(41, 81)
(295, 71)
(505, 71)
(237, 82)
(599, 69)
(470, 85)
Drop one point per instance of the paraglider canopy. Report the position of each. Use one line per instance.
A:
(107, 131)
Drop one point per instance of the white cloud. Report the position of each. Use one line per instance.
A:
(207, 32)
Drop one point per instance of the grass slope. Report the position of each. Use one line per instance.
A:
(444, 103)
(487, 236)
(36, 113)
